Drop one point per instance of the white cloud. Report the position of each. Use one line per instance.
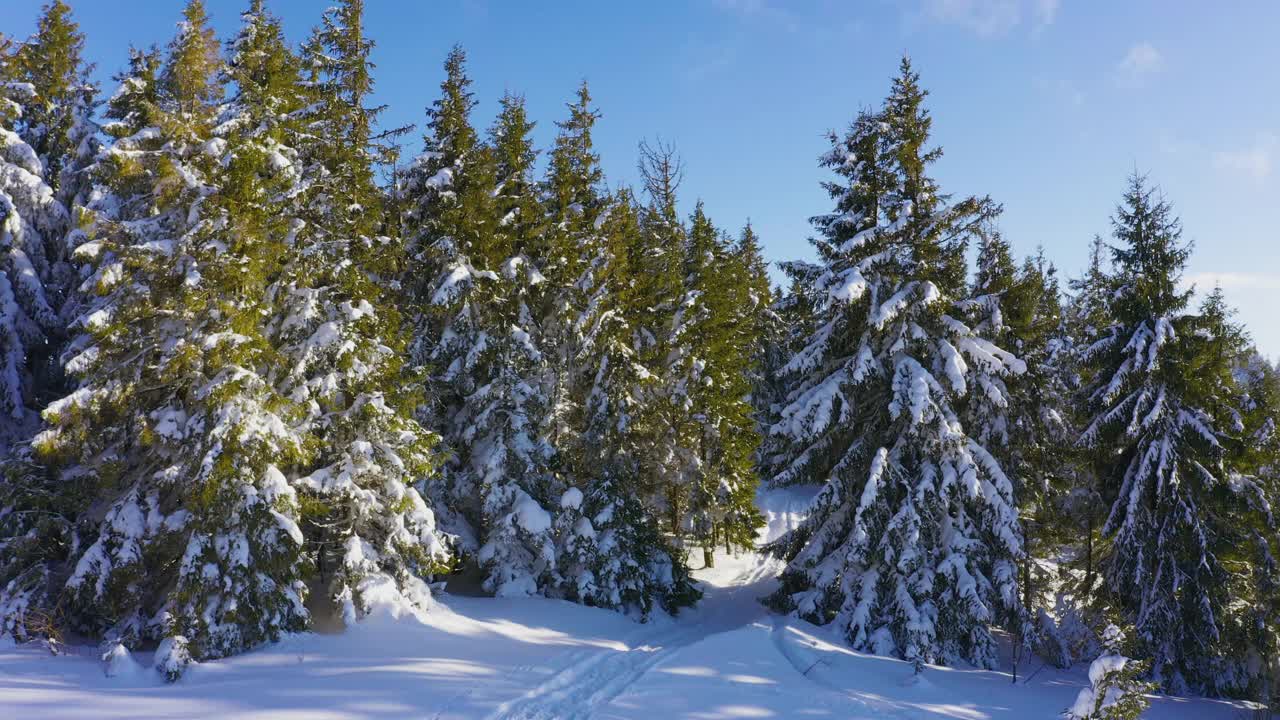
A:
(1060, 91)
(1256, 161)
(1230, 280)
(1142, 60)
(991, 18)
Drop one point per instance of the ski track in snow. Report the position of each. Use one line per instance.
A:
(590, 680)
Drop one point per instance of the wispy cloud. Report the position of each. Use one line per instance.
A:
(992, 18)
(1140, 62)
(1046, 11)
(1255, 161)
(759, 10)
(1232, 280)
(709, 60)
(1060, 91)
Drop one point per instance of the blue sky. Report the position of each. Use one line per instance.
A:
(1046, 105)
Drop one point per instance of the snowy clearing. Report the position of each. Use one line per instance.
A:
(512, 659)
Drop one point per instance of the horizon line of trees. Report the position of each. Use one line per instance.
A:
(246, 383)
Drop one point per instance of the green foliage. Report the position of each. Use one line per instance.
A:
(264, 335)
(52, 61)
(613, 556)
(1117, 689)
(1163, 386)
(894, 553)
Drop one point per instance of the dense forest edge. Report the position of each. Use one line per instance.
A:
(262, 367)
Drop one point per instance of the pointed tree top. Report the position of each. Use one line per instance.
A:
(190, 74)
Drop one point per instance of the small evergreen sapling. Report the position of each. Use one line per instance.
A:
(1116, 690)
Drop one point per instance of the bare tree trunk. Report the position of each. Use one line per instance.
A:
(709, 549)
(1088, 561)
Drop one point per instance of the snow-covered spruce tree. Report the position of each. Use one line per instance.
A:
(1087, 317)
(611, 550)
(1249, 543)
(1116, 690)
(40, 507)
(665, 433)
(1026, 420)
(44, 102)
(58, 127)
(45, 144)
(762, 325)
(189, 532)
(755, 346)
(1159, 389)
(796, 318)
(476, 225)
(506, 415)
(373, 537)
(714, 365)
(577, 302)
(1256, 537)
(1046, 423)
(447, 214)
(696, 425)
(911, 547)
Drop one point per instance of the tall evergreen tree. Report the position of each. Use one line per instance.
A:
(170, 431)
(1256, 539)
(47, 142)
(1244, 406)
(577, 298)
(1156, 381)
(659, 330)
(761, 327)
(41, 507)
(374, 536)
(911, 547)
(715, 364)
(1088, 315)
(478, 221)
(612, 551)
(448, 222)
(506, 441)
(1028, 423)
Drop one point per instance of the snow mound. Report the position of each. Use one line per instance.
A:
(532, 517)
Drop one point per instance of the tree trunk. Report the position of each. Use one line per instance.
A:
(1088, 561)
(709, 549)
(673, 501)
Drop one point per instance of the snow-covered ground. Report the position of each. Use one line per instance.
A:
(525, 659)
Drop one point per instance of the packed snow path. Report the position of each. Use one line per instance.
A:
(588, 681)
(476, 658)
